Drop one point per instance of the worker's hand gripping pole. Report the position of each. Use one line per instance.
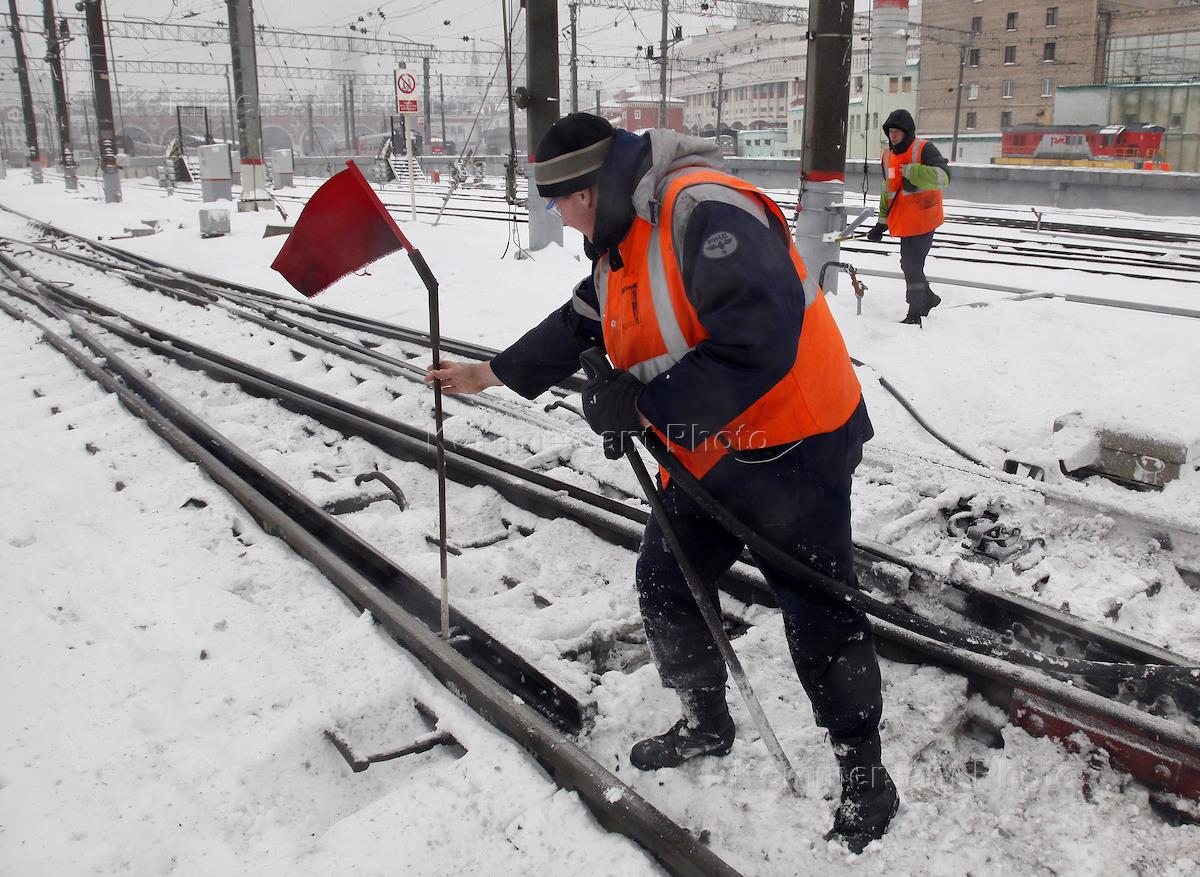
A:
(595, 363)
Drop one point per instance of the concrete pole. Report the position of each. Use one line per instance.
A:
(543, 110)
(574, 7)
(442, 107)
(312, 132)
(245, 82)
(232, 113)
(61, 110)
(662, 70)
(720, 102)
(819, 217)
(346, 121)
(429, 110)
(31, 134)
(962, 63)
(105, 128)
(353, 117)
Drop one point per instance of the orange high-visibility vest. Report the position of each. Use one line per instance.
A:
(649, 325)
(911, 213)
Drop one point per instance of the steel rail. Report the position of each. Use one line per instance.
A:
(1162, 754)
(273, 505)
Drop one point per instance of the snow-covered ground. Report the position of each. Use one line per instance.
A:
(166, 682)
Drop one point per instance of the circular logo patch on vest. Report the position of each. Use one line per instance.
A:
(719, 245)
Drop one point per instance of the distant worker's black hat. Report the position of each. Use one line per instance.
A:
(571, 153)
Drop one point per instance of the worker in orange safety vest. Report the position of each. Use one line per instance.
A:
(910, 206)
(726, 349)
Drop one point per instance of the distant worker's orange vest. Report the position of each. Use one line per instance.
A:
(649, 325)
(911, 213)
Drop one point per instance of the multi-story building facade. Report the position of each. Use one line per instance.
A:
(1015, 54)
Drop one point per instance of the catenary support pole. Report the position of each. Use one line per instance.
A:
(819, 216)
(27, 111)
(574, 8)
(352, 115)
(105, 126)
(61, 110)
(662, 69)
(428, 109)
(720, 102)
(962, 63)
(543, 109)
(245, 83)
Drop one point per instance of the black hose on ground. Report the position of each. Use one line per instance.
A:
(908, 406)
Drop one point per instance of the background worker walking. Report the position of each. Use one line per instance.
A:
(910, 206)
(700, 300)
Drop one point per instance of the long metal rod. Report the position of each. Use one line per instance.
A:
(61, 109)
(435, 341)
(595, 364)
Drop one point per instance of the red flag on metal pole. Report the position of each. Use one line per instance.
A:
(345, 227)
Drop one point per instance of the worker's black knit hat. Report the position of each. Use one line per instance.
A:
(571, 153)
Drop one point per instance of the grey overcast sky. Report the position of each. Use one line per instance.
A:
(442, 23)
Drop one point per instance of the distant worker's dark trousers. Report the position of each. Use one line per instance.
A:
(801, 503)
(917, 293)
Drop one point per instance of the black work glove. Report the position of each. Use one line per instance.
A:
(875, 235)
(610, 408)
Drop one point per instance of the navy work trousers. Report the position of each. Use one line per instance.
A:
(801, 503)
(913, 251)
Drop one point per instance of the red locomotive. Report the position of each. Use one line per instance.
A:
(1130, 145)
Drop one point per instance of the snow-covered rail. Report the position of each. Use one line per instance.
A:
(1154, 762)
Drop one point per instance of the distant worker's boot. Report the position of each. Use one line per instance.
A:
(932, 300)
(869, 797)
(913, 318)
(706, 728)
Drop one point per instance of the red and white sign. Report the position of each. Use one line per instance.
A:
(406, 92)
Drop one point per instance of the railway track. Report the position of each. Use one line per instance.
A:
(595, 653)
(1102, 258)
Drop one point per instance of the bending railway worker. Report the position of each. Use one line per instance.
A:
(697, 295)
(910, 206)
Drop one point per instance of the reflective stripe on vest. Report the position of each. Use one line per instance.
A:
(650, 325)
(911, 213)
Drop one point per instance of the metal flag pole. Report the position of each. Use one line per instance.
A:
(435, 342)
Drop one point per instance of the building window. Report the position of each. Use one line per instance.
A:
(973, 57)
(1048, 51)
(1051, 16)
(906, 85)
(973, 91)
(1006, 119)
(1007, 90)
(637, 114)
(1011, 24)
(977, 24)
(1176, 122)
(1047, 88)
(858, 84)
(1010, 54)
(970, 121)
(893, 85)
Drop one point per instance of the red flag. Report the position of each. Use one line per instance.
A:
(344, 227)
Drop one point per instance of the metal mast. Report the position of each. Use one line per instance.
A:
(106, 131)
(61, 110)
(245, 83)
(31, 135)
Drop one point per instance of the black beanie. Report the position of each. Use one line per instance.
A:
(571, 153)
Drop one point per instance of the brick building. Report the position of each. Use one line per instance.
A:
(1018, 53)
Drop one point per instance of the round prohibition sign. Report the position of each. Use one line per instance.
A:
(407, 83)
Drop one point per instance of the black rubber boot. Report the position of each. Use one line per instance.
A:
(932, 300)
(869, 797)
(706, 728)
(913, 318)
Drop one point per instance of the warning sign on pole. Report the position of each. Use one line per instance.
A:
(406, 92)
